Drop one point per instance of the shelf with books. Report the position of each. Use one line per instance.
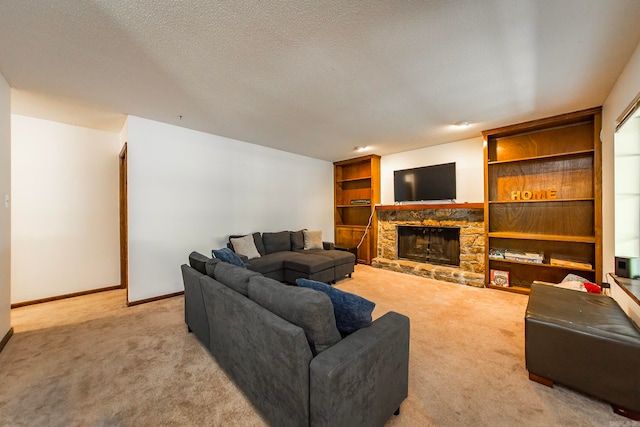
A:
(543, 195)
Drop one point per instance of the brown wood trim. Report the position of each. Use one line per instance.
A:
(426, 206)
(158, 298)
(628, 286)
(124, 221)
(75, 294)
(533, 125)
(628, 112)
(6, 338)
(541, 380)
(626, 412)
(513, 289)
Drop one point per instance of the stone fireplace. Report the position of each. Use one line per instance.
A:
(444, 242)
(435, 245)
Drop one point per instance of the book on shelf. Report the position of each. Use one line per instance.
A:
(533, 257)
(572, 263)
(360, 202)
(496, 253)
(499, 278)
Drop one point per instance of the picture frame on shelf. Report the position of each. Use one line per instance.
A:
(499, 278)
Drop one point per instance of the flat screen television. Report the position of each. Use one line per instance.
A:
(437, 182)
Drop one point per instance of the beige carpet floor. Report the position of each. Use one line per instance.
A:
(91, 361)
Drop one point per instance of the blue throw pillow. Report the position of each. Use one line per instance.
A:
(227, 255)
(352, 312)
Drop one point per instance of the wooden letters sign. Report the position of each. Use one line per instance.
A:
(551, 193)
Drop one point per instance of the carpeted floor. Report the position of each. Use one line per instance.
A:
(91, 361)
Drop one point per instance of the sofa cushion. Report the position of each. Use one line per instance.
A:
(270, 262)
(297, 240)
(306, 308)
(198, 261)
(352, 312)
(245, 245)
(312, 239)
(339, 257)
(307, 263)
(234, 277)
(210, 267)
(276, 242)
(227, 255)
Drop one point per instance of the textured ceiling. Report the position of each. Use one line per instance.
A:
(318, 77)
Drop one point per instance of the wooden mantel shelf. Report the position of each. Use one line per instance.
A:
(423, 206)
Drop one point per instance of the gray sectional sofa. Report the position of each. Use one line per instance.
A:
(280, 346)
(283, 257)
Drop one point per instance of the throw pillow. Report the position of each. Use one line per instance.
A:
(352, 312)
(306, 308)
(297, 240)
(227, 255)
(312, 239)
(245, 246)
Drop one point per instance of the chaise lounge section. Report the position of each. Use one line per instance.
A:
(290, 255)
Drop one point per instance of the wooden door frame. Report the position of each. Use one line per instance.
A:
(124, 222)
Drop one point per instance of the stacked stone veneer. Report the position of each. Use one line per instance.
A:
(471, 224)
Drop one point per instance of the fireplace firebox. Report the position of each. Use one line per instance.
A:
(435, 245)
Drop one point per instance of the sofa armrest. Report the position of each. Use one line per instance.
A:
(328, 246)
(364, 378)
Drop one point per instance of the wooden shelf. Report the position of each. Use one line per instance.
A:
(357, 179)
(560, 154)
(364, 178)
(584, 199)
(543, 265)
(544, 157)
(550, 237)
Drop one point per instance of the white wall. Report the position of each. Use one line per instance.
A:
(623, 92)
(189, 190)
(5, 212)
(467, 154)
(65, 230)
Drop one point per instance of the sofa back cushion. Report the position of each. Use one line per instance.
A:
(210, 267)
(198, 261)
(234, 277)
(309, 309)
(297, 240)
(276, 242)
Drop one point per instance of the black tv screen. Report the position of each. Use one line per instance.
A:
(436, 182)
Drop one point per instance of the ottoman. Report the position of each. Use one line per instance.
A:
(343, 261)
(308, 266)
(586, 342)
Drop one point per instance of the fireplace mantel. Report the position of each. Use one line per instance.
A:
(423, 206)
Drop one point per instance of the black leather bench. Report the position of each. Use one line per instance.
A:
(585, 342)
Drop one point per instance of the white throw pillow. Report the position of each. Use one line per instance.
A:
(312, 239)
(245, 246)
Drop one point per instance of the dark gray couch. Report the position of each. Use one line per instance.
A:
(283, 258)
(296, 372)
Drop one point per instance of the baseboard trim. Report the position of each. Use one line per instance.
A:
(75, 294)
(158, 298)
(6, 338)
